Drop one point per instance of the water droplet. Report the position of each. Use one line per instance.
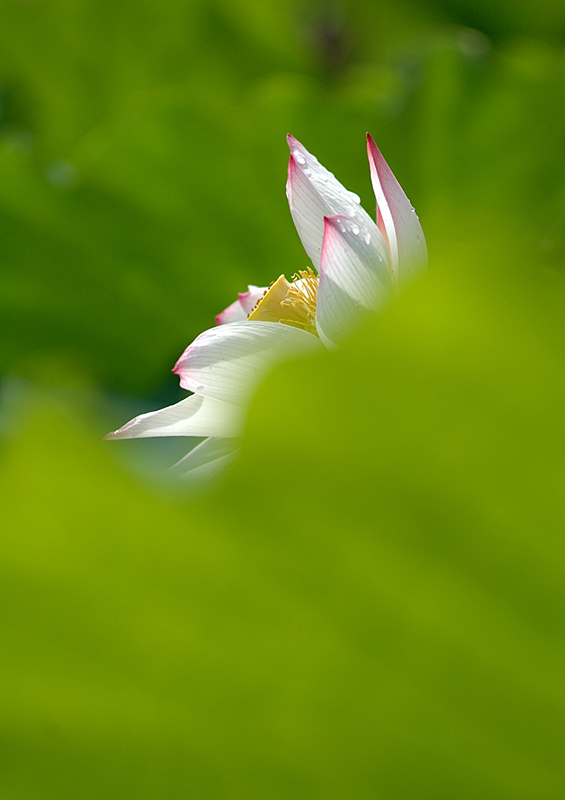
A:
(355, 197)
(354, 228)
(199, 387)
(298, 157)
(367, 238)
(307, 172)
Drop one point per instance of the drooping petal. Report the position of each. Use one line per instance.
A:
(396, 218)
(354, 280)
(193, 416)
(314, 193)
(206, 459)
(227, 362)
(238, 311)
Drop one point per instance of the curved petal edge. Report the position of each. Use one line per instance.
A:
(193, 416)
(227, 362)
(354, 280)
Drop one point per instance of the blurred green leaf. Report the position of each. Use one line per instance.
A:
(369, 605)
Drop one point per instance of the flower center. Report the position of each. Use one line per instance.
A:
(292, 303)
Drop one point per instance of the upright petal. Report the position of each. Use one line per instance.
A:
(396, 218)
(193, 416)
(238, 311)
(354, 280)
(314, 193)
(227, 362)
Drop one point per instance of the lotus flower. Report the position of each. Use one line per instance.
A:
(357, 264)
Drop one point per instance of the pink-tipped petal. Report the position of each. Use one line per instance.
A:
(193, 416)
(396, 218)
(238, 311)
(354, 280)
(249, 299)
(227, 362)
(233, 313)
(314, 193)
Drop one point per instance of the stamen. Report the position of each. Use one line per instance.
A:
(304, 289)
(290, 303)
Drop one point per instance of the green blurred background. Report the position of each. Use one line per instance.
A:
(370, 603)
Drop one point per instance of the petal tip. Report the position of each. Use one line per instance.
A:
(121, 433)
(373, 151)
(341, 222)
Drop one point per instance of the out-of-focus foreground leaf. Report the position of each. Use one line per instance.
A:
(370, 605)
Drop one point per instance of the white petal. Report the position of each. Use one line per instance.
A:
(227, 362)
(396, 218)
(314, 193)
(251, 297)
(238, 311)
(194, 416)
(233, 313)
(354, 280)
(206, 459)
